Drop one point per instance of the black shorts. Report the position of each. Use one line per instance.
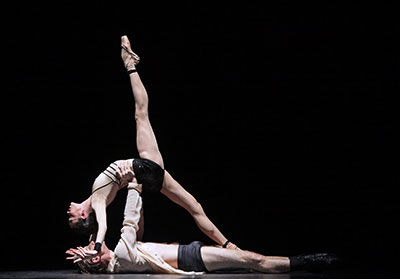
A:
(149, 174)
(189, 257)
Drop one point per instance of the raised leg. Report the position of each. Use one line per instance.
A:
(219, 259)
(145, 139)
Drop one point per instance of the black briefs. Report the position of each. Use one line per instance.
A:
(189, 257)
(149, 174)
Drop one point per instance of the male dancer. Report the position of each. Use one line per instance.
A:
(132, 256)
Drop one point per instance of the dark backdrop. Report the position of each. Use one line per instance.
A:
(280, 119)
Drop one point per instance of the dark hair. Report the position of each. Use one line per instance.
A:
(86, 226)
(88, 267)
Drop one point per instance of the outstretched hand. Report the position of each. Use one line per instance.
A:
(80, 254)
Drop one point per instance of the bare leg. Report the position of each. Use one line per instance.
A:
(217, 258)
(145, 139)
(147, 147)
(175, 192)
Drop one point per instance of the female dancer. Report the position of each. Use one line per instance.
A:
(146, 172)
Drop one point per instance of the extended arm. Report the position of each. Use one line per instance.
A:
(103, 192)
(131, 217)
(125, 249)
(101, 216)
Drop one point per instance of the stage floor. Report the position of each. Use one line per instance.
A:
(72, 274)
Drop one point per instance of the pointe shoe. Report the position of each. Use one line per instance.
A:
(129, 58)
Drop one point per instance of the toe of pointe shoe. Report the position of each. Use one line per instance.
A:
(125, 40)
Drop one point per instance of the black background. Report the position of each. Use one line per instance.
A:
(280, 119)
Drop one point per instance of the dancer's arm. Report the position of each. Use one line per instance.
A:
(101, 216)
(125, 249)
(104, 191)
(131, 217)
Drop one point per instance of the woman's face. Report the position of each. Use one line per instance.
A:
(74, 213)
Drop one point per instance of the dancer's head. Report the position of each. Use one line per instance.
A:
(97, 264)
(81, 220)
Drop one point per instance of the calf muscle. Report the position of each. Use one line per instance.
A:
(218, 259)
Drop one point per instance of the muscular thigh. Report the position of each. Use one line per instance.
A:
(215, 258)
(146, 141)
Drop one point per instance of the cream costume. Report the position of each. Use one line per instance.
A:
(132, 256)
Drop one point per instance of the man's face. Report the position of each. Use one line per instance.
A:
(74, 212)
